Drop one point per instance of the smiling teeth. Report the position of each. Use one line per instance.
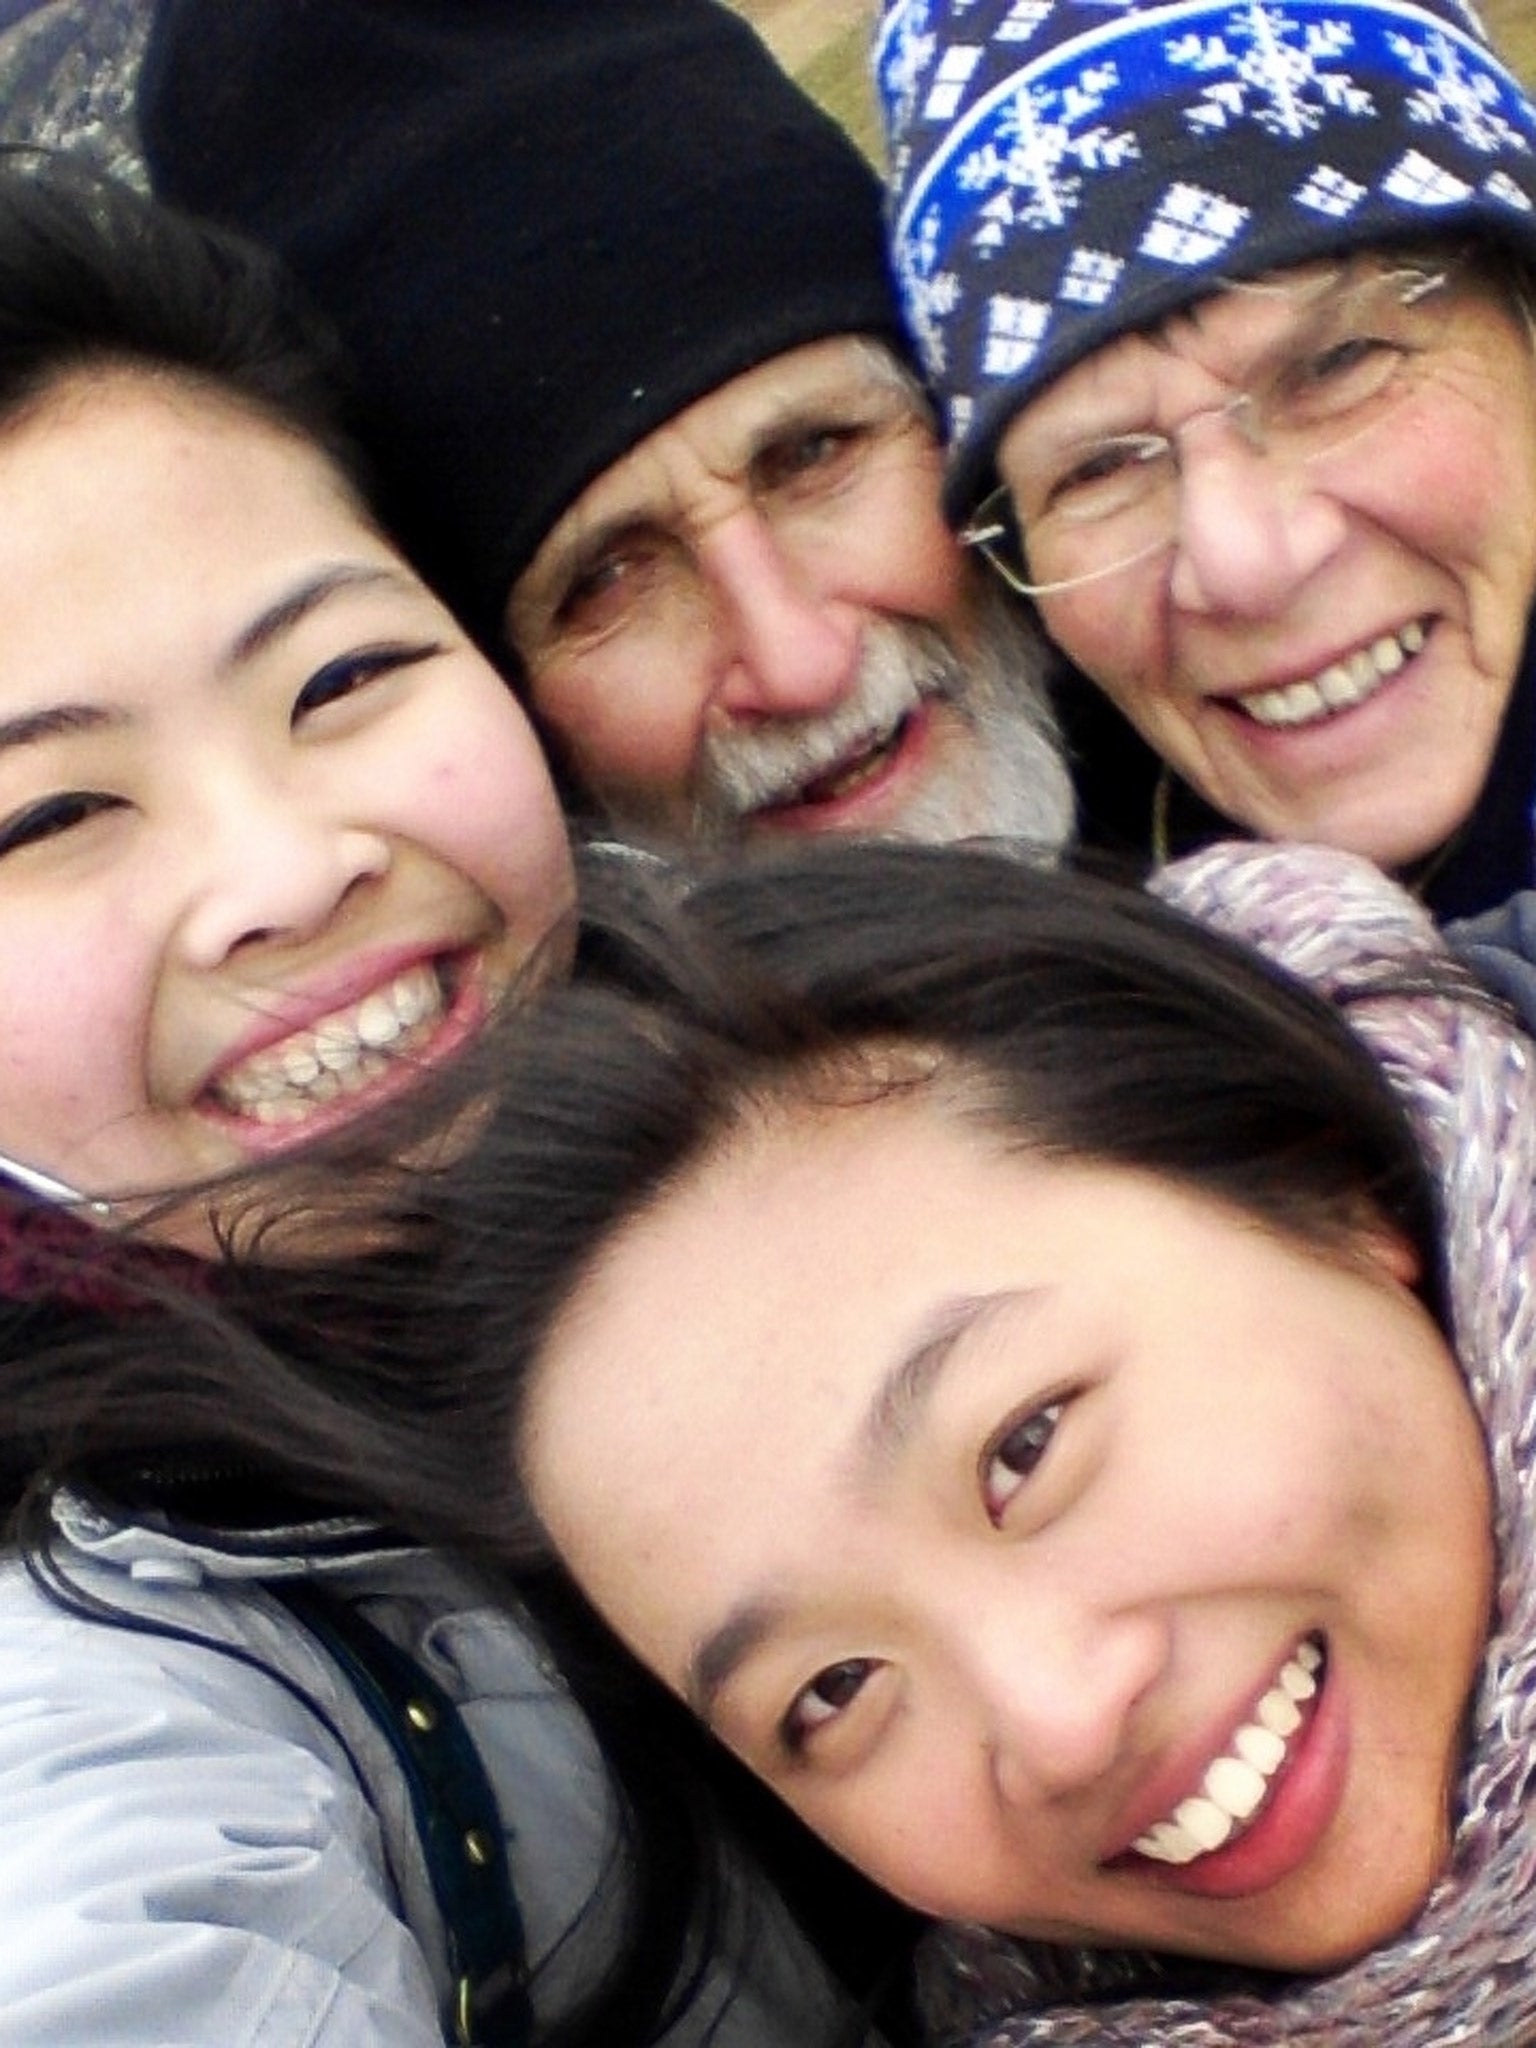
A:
(862, 767)
(341, 1054)
(856, 759)
(1338, 688)
(1234, 1786)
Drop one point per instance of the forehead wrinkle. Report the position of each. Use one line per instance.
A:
(637, 493)
(658, 502)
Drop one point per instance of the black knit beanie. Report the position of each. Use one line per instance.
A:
(543, 227)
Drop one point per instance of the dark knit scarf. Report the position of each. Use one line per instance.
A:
(1463, 1972)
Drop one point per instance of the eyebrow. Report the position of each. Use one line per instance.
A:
(57, 721)
(295, 605)
(795, 414)
(62, 721)
(802, 410)
(718, 1656)
(906, 1391)
(901, 1398)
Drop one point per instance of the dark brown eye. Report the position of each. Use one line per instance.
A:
(829, 1693)
(613, 581)
(1106, 474)
(52, 816)
(811, 455)
(354, 671)
(1013, 1457)
(1336, 382)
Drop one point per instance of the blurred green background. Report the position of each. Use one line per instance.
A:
(825, 44)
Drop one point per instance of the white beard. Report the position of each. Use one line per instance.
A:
(1004, 776)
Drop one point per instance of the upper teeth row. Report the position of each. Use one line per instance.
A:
(1344, 684)
(1234, 1786)
(341, 1052)
(859, 766)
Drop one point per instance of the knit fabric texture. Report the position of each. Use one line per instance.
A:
(1064, 171)
(542, 229)
(54, 1256)
(1461, 1973)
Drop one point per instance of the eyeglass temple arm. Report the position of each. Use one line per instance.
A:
(47, 1188)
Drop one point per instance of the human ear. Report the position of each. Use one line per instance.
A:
(1388, 1253)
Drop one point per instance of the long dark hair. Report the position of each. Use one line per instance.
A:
(1085, 1019)
(1091, 1022)
(93, 274)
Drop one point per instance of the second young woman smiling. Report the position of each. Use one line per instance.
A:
(1001, 1580)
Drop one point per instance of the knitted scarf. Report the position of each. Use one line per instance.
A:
(1463, 1971)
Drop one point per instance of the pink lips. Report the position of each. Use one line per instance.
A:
(1298, 1808)
(1302, 703)
(463, 1018)
(808, 812)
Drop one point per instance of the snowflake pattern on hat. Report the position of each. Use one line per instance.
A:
(1065, 170)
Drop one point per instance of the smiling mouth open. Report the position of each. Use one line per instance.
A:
(851, 773)
(1237, 1785)
(341, 1054)
(1340, 686)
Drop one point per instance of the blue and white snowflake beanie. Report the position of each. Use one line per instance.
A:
(1065, 170)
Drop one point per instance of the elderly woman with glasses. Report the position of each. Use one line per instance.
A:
(1227, 306)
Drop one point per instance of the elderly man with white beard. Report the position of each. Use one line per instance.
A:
(636, 381)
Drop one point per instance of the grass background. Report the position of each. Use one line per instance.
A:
(825, 43)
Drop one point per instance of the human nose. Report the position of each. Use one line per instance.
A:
(1250, 530)
(269, 867)
(1059, 1686)
(790, 651)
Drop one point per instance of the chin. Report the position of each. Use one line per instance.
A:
(1320, 1949)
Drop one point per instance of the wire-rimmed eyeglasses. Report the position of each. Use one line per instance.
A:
(1089, 505)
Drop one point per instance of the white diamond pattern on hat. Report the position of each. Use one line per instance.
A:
(1091, 276)
(1192, 225)
(1417, 180)
(950, 83)
(1022, 19)
(1506, 192)
(1015, 329)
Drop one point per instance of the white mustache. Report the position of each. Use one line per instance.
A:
(746, 771)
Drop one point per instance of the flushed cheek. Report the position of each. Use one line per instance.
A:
(923, 1842)
(947, 1866)
(1115, 635)
(72, 1073)
(929, 1828)
(631, 714)
(648, 755)
(1461, 494)
(904, 562)
(490, 812)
